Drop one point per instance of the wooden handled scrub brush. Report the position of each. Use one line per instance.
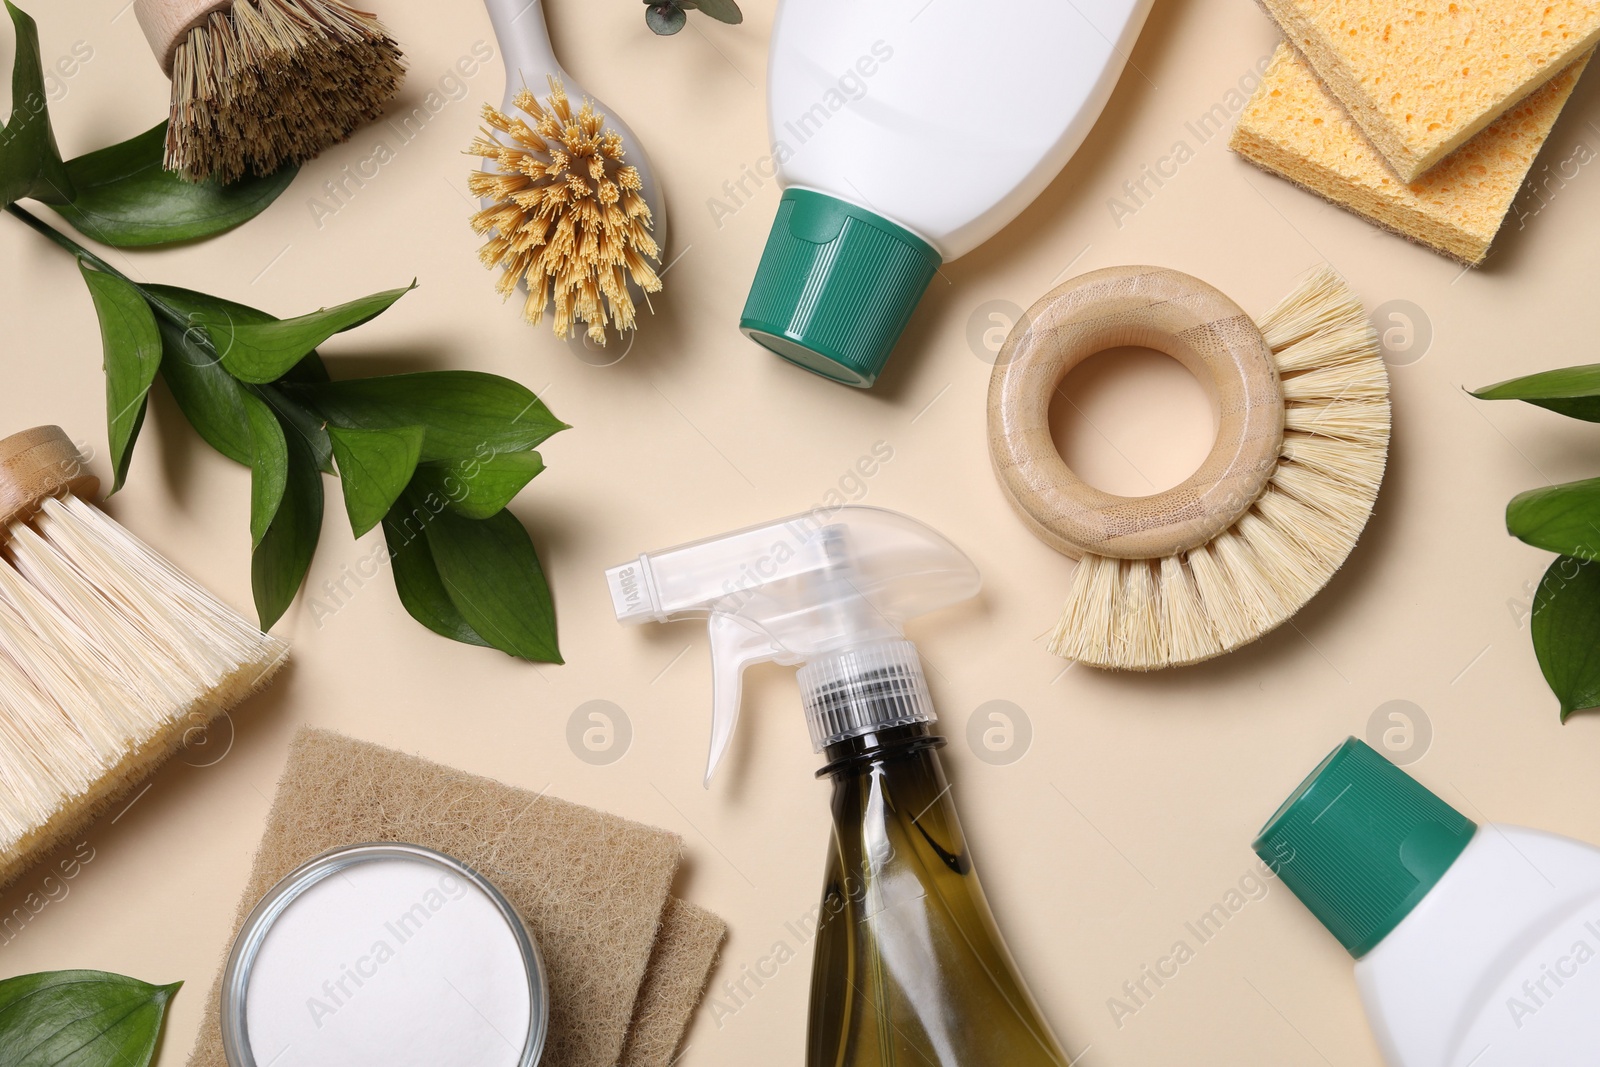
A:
(109, 657)
(257, 84)
(1277, 505)
(570, 206)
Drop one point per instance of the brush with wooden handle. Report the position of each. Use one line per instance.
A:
(1241, 544)
(110, 658)
(257, 84)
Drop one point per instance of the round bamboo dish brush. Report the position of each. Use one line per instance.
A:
(257, 84)
(570, 208)
(110, 658)
(1275, 508)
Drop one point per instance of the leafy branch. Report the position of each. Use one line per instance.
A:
(434, 457)
(667, 17)
(1565, 519)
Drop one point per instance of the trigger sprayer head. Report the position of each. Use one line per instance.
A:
(829, 590)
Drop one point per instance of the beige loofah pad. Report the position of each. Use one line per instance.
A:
(627, 963)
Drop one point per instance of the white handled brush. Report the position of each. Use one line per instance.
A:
(571, 209)
(109, 656)
(257, 84)
(1244, 542)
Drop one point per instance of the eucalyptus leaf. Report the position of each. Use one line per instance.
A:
(1570, 391)
(30, 162)
(1566, 632)
(416, 578)
(477, 488)
(123, 197)
(374, 467)
(466, 413)
(492, 575)
(80, 1019)
(131, 343)
(261, 352)
(269, 466)
(280, 561)
(210, 397)
(1559, 518)
(664, 18)
(721, 10)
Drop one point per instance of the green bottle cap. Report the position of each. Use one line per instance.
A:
(836, 286)
(1360, 842)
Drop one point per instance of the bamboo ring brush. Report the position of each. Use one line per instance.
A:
(571, 207)
(257, 84)
(1275, 508)
(110, 658)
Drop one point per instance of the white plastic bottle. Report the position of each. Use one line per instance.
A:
(1475, 945)
(906, 133)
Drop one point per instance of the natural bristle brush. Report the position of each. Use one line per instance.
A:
(1234, 550)
(257, 84)
(570, 207)
(109, 656)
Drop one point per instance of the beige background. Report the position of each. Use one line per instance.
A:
(1132, 811)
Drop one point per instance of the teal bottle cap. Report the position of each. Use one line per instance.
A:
(1360, 842)
(835, 287)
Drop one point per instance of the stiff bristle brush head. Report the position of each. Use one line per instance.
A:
(1289, 542)
(565, 214)
(111, 659)
(257, 84)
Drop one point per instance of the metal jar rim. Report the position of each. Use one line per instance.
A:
(247, 946)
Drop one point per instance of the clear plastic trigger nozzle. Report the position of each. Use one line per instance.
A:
(830, 590)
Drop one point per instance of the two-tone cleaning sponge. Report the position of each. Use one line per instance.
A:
(1423, 118)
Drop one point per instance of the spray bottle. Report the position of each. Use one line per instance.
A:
(909, 967)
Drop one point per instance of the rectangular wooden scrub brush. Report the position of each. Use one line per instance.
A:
(110, 658)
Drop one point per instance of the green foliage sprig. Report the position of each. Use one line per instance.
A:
(1565, 519)
(667, 17)
(81, 1019)
(118, 195)
(432, 457)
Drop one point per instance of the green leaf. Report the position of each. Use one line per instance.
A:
(477, 488)
(132, 346)
(1570, 391)
(269, 466)
(1566, 632)
(261, 352)
(721, 10)
(664, 18)
(492, 576)
(417, 580)
(30, 163)
(280, 561)
(466, 413)
(374, 467)
(80, 1019)
(1559, 518)
(212, 399)
(124, 198)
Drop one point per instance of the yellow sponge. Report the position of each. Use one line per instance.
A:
(1292, 127)
(1420, 78)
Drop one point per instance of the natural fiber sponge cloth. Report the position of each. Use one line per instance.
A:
(1421, 78)
(1292, 127)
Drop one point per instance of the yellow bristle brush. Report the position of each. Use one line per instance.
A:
(257, 84)
(1239, 546)
(110, 658)
(570, 207)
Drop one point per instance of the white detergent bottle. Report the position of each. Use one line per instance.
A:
(1475, 945)
(906, 133)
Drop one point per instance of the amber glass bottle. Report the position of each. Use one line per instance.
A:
(910, 969)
